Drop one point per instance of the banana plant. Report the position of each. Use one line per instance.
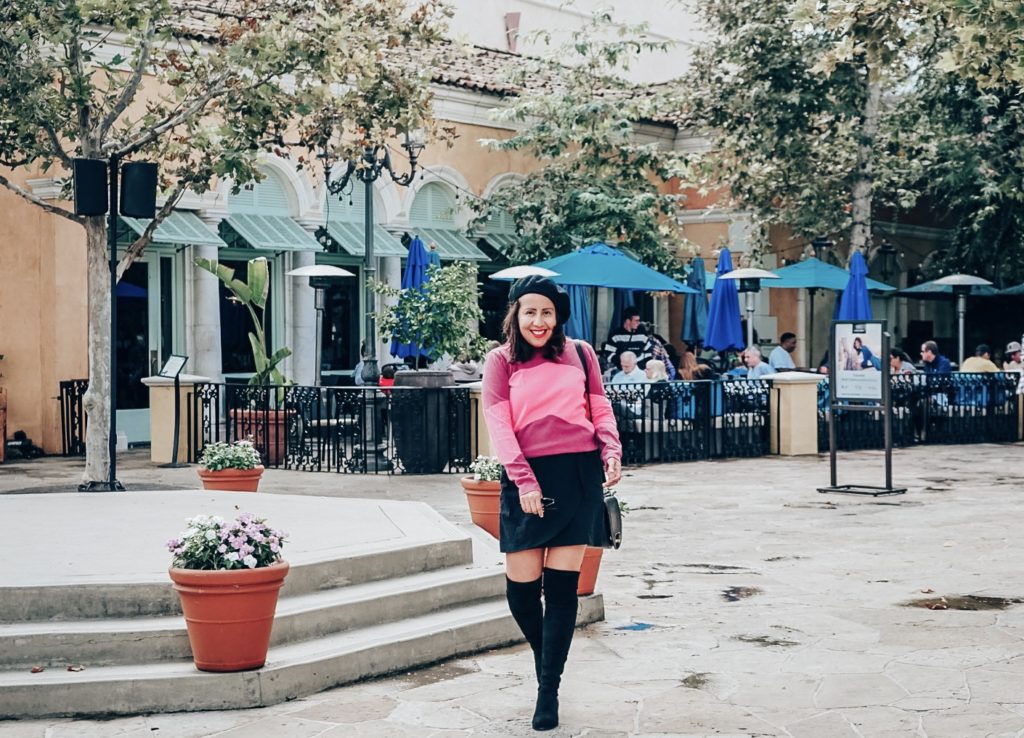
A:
(253, 293)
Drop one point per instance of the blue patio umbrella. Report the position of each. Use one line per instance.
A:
(695, 319)
(622, 299)
(413, 278)
(579, 313)
(724, 330)
(855, 303)
(600, 265)
(1015, 290)
(814, 274)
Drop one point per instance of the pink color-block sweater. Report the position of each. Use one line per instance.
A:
(538, 408)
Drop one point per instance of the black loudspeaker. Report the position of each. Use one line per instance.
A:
(138, 189)
(90, 179)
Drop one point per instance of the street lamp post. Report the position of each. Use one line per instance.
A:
(375, 160)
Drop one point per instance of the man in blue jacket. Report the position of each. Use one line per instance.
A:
(934, 362)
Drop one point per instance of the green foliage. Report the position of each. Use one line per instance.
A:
(253, 295)
(439, 316)
(212, 543)
(598, 180)
(237, 455)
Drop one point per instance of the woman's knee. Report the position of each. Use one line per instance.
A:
(565, 558)
(524, 566)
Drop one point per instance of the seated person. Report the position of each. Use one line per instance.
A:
(755, 367)
(780, 358)
(630, 372)
(981, 361)
(387, 376)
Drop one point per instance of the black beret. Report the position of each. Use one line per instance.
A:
(538, 285)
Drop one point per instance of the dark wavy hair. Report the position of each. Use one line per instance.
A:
(518, 348)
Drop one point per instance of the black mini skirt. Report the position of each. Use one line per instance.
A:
(574, 481)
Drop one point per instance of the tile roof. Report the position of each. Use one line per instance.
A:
(469, 67)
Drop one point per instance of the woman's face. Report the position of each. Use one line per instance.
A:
(895, 363)
(537, 319)
(857, 343)
(649, 371)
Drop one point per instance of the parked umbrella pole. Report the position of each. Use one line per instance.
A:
(750, 319)
(810, 332)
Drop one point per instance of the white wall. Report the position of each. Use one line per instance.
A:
(482, 22)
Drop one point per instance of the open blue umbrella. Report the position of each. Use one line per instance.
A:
(695, 320)
(814, 274)
(413, 278)
(579, 313)
(724, 329)
(601, 265)
(855, 303)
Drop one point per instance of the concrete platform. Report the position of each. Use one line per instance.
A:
(375, 587)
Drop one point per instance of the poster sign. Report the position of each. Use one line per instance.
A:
(857, 348)
(173, 366)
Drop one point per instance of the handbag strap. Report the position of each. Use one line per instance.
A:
(586, 377)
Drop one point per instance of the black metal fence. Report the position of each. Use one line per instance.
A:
(72, 417)
(342, 429)
(690, 421)
(932, 408)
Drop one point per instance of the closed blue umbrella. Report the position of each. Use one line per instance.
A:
(695, 320)
(724, 330)
(413, 278)
(622, 299)
(855, 303)
(579, 313)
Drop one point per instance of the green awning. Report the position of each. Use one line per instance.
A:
(503, 242)
(271, 232)
(352, 238)
(180, 228)
(451, 245)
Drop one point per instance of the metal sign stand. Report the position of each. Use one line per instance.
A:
(172, 368)
(835, 403)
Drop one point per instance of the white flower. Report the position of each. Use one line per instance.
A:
(249, 561)
(217, 520)
(211, 534)
(233, 556)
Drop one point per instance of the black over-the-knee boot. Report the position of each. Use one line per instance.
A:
(560, 604)
(524, 602)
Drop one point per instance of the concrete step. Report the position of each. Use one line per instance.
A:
(291, 671)
(304, 617)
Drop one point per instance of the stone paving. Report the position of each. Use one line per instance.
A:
(743, 603)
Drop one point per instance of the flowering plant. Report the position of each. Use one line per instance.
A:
(210, 542)
(486, 469)
(237, 455)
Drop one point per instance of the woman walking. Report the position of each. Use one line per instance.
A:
(554, 431)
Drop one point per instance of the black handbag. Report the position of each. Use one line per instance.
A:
(612, 511)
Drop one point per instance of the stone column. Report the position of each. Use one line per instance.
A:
(300, 321)
(794, 415)
(389, 271)
(202, 322)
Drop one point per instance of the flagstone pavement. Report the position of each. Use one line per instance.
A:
(742, 603)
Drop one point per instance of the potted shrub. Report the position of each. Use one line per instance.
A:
(440, 317)
(483, 492)
(231, 467)
(267, 424)
(228, 575)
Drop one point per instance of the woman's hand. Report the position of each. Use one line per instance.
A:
(531, 503)
(612, 472)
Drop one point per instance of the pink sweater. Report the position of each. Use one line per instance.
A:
(538, 408)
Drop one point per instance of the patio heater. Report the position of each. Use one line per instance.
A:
(963, 285)
(749, 283)
(375, 160)
(820, 244)
(320, 276)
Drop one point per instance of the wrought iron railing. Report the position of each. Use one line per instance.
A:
(931, 408)
(341, 429)
(690, 421)
(72, 417)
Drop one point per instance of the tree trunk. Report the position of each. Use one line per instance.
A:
(96, 400)
(863, 184)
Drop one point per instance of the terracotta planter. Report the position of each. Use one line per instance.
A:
(268, 428)
(588, 571)
(231, 480)
(229, 614)
(484, 500)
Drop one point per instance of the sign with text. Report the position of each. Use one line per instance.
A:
(857, 360)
